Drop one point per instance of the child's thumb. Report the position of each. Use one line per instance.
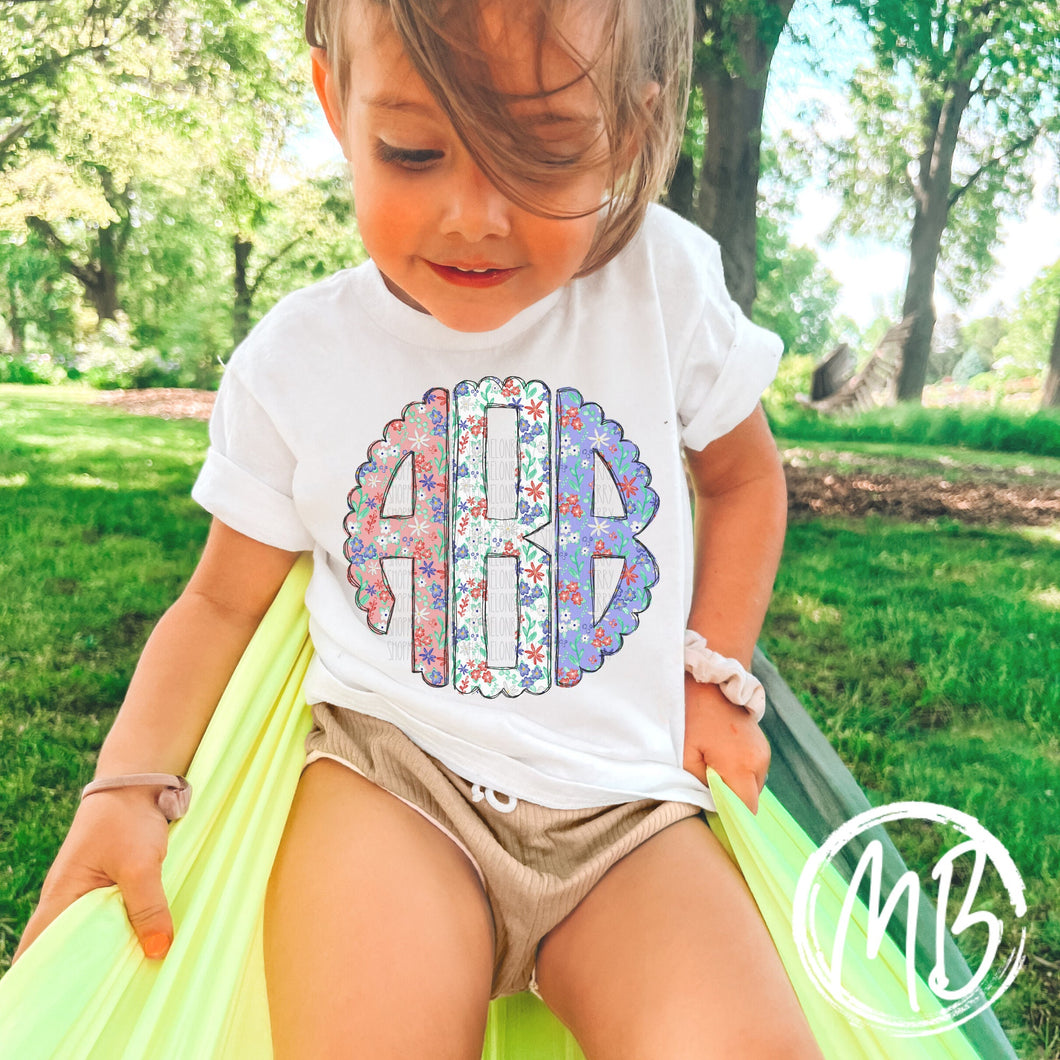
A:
(148, 911)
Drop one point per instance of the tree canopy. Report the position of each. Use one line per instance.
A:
(944, 120)
(147, 181)
(144, 151)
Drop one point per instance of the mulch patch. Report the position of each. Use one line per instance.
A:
(818, 492)
(812, 492)
(166, 403)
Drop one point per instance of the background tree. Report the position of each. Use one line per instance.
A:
(40, 42)
(297, 236)
(158, 178)
(1051, 390)
(34, 295)
(125, 125)
(716, 183)
(944, 122)
(1030, 341)
(796, 295)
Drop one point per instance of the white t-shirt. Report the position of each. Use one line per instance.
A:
(499, 520)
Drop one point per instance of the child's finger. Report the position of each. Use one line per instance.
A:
(746, 788)
(147, 909)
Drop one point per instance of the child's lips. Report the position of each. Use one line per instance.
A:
(473, 274)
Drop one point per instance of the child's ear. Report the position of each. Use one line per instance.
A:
(327, 92)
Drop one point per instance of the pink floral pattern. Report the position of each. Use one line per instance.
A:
(421, 435)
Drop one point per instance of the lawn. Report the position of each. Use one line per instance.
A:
(955, 462)
(927, 653)
(99, 536)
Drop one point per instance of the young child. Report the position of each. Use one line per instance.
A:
(507, 767)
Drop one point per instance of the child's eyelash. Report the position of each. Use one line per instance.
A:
(407, 157)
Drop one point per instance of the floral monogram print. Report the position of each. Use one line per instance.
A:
(479, 534)
(552, 603)
(587, 440)
(421, 435)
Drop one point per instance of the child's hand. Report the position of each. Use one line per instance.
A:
(725, 737)
(120, 837)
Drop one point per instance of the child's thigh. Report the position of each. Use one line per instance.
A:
(668, 957)
(378, 938)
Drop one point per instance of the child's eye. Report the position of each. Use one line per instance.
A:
(406, 157)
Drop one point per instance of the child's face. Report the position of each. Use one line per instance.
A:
(428, 216)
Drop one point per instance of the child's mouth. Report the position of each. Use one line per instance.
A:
(472, 275)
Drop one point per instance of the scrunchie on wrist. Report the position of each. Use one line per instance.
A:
(709, 667)
(173, 800)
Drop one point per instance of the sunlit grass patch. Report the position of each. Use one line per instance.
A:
(1047, 598)
(100, 534)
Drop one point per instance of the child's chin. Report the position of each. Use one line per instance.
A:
(472, 318)
(460, 314)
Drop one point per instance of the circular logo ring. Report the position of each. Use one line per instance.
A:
(970, 1001)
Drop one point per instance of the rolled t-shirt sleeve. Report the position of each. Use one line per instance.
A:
(246, 480)
(728, 363)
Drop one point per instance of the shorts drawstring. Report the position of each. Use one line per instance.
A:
(478, 793)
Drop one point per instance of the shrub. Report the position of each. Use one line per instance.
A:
(993, 430)
(108, 360)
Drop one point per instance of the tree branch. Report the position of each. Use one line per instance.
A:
(51, 64)
(85, 276)
(51, 237)
(281, 253)
(1023, 142)
(15, 132)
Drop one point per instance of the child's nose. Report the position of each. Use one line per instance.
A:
(474, 208)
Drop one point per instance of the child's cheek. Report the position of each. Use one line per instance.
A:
(386, 218)
(563, 244)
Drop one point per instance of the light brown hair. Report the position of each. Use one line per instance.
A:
(645, 43)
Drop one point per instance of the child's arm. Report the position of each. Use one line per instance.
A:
(739, 532)
(120, 836)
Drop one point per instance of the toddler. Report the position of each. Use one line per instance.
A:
(479, 435)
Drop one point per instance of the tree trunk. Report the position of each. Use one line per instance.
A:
(728, 193)
(1051, 392)
(100, 278)
(242, 289)
(680, 195)
(111, 240)
(16, 325)
(733, 80)
(919, 304)
(932, 198)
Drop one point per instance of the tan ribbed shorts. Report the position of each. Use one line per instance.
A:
(535, 863)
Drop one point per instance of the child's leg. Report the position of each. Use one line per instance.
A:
(667, 957)
(378, 938)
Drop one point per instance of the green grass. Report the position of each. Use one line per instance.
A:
(927, 653)
(909, 458)
(989, 430)
(929, 656)
(99, 536)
